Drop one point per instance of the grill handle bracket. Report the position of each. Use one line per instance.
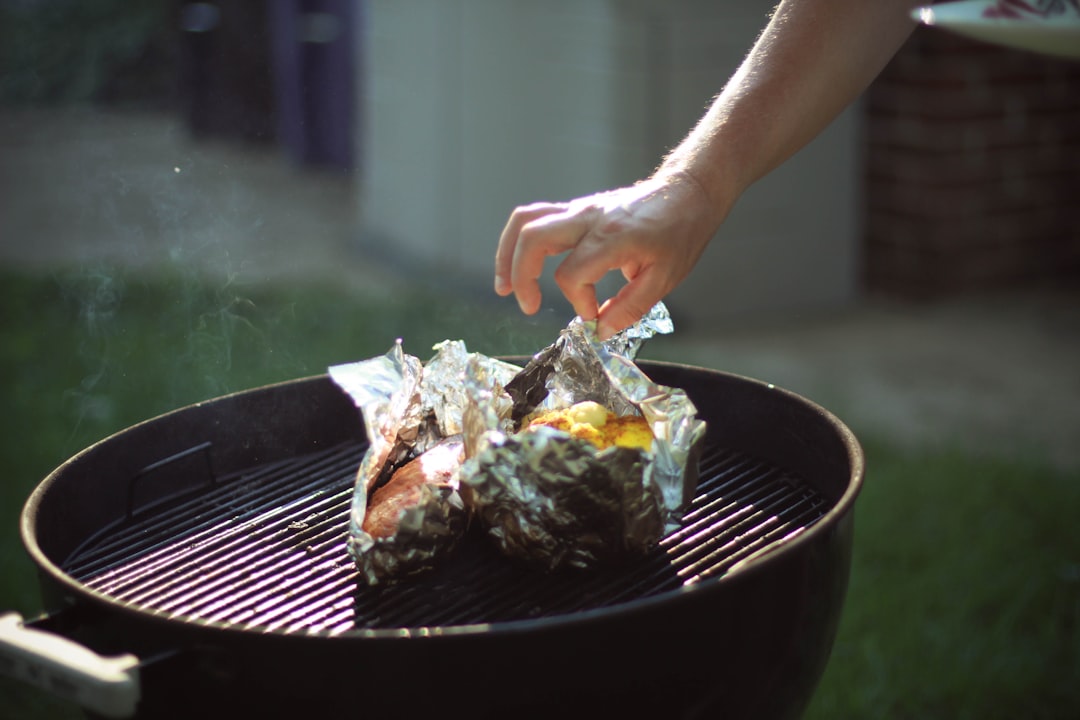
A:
(65, 668)
(154, 467)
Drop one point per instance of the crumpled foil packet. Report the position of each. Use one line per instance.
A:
(541, 494)
(558, 501)
(408, 407)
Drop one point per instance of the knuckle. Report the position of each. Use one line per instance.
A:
(530, 240)
(565, 278)
(634, 311)
(613, 226)
(526, 213)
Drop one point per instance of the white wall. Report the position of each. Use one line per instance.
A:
(471, 107)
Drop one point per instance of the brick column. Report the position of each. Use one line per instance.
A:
(972, 169)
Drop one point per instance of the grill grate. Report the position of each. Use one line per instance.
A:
(265, 549)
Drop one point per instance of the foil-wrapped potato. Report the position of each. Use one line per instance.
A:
(411, 488)
(554, 498)
(413, 519)
(598, 462)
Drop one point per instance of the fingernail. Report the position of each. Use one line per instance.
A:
(604, 331)
(502, 285)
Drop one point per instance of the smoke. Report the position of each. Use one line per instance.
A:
(97, 293)
(141, 346)
(210, 318)
(515, 333)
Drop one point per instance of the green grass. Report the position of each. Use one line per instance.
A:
(965, 592)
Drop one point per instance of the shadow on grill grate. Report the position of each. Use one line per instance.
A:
(265, 549)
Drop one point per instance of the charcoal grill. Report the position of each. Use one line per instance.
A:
(210, 542)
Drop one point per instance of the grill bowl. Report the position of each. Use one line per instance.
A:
(724, 619)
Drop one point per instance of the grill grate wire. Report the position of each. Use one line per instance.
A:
(264, 549)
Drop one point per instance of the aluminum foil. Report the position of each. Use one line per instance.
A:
(556, 500)
(409, 407)
(426, 532)
(540, 494)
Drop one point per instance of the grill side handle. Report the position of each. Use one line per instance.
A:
(108, 686)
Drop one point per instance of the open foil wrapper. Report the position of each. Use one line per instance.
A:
(556, 500)
(540, 494)
(409, 407)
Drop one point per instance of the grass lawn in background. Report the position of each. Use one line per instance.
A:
(964, 599)
(965, 592)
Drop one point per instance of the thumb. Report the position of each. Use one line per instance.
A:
(629, 305)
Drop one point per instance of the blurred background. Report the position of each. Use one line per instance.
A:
(198, 198)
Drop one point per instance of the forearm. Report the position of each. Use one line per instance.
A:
(811, 61)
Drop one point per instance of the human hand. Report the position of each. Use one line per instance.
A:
(654, 232)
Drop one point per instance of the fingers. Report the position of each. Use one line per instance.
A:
(654, 232)
(550, 234)
(630, 304)
(536, 232)
(595, 257)
(508, 241)
(587, 263)
(532, 234)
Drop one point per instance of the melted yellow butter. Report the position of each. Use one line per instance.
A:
(593, 422)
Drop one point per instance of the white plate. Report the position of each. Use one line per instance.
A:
(1058, 35)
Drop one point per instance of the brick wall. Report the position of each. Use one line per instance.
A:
(973, 169)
